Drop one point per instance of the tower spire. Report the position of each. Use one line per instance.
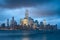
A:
(26, 14)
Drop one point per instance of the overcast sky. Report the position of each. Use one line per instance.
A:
(38, 9)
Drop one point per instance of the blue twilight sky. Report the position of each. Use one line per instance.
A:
(38, 10)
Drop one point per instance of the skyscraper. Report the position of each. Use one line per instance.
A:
(41, 25)
(27, 14)
(7, 22)
(21, 21)
(34, 26)
(12, 22)
(15, 23)
(44, 22)
(25, 20)
(37, 23)
(3, 25)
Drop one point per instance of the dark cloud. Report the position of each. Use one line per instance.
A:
(21, 3)
(34, 3)
(46, 13)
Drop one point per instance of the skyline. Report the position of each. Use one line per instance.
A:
(37, 10)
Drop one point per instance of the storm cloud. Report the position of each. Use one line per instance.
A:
(42, 7)
(21, 3)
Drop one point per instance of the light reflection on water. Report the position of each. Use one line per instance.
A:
(34, 37)
(25, 36)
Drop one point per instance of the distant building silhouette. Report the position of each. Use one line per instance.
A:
(41, 25)
(31, 21)
(34, 26)
(44, 22)
(21, 21)
(13, 23)
(3, 25)
(7, 22)
(36, 22)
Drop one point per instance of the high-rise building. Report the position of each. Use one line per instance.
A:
(7, 22)
(27, 14)
(31, 21)
(25, 20)
(34, 26)
(15, 23)
(12, 22)
(37, 23)
(12, 18)
(3, 25)
(41, 25)
(21, 21)
(44, 22)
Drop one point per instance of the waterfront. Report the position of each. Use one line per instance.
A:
(7, 35)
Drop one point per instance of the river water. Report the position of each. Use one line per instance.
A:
(39, 36)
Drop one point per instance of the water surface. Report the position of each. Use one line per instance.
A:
(39, 36)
